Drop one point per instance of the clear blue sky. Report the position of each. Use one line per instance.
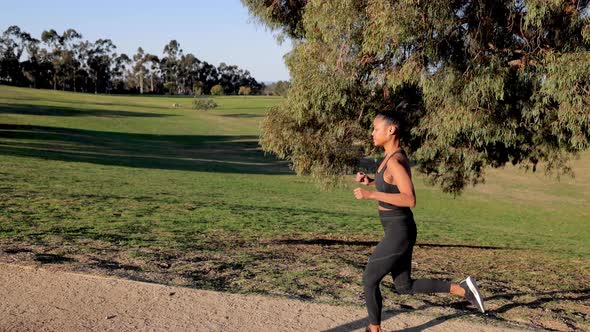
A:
(213, 30)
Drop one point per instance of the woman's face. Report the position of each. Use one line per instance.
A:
(382, 131)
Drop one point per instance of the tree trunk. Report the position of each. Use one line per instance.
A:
(141, 81)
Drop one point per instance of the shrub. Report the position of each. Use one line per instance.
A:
(217, 90)
(245, 90)
(198, 88)
(170, 87)
(204, 104)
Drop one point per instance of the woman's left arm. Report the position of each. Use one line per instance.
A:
(406, 196)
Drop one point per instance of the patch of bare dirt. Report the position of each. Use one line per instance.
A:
(39, 299)
(521, 287)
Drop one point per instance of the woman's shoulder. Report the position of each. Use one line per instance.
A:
(398, 160)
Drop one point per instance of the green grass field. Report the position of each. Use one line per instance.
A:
(130, 186)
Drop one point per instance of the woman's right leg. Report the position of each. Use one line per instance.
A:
(382, 261)
(374, 273)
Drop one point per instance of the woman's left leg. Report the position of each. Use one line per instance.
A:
(402, 274)
(404, 284)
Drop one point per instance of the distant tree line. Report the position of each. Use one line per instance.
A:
(279, 88)
(67, 62)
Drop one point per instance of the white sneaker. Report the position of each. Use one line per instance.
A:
(472, 293)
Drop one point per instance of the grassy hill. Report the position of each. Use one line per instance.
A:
(132, 186)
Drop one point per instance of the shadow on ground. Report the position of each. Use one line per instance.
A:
(389, 314)
(332, 242)
(242, 115)
(47, 110)
(581, 295)
(52, 259)
(224, 154)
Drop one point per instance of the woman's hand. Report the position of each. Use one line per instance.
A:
(361, 193)
(362, 178)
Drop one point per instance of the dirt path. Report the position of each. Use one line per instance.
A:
(36, 299)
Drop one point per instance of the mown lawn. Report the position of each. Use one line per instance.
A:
(131, 186)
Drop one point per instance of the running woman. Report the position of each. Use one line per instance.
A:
(393, 255)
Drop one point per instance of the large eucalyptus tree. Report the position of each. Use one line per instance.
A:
(477, 84)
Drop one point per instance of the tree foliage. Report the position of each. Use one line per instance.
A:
(477, 84)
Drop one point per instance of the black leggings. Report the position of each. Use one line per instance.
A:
(394, 255)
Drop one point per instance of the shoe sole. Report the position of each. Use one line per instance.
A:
(475, 291)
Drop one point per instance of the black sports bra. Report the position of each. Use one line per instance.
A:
(385, 187)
